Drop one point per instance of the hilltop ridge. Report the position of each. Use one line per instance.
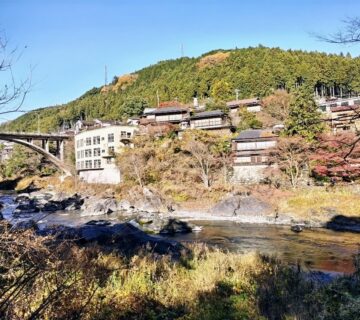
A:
(255, 71)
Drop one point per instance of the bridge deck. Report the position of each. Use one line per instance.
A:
(35, 136)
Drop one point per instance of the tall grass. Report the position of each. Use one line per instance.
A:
(43, 279)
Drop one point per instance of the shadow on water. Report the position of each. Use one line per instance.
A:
(341, 223)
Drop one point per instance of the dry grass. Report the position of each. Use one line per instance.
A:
(318, 201)
(212, 59)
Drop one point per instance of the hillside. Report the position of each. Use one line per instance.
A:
(255, 71)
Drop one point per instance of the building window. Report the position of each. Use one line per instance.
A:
(97, 163)
(108, 160)
(82, 165)
(88, 153)
(96, 140)
(78, 154)
(88, 164)
(96, 152)
(88, 141)
(82, 154)
(110, 137)
(111, 150)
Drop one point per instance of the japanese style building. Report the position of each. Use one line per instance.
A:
(251, 105)
(167, 114)
(250, 151)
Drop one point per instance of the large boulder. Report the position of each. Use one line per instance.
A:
(95, 206)
(122, 237)
(150, 202)
(26, 208)
(154, 223)
(238, 205)
(227, 207)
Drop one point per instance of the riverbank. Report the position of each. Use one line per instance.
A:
(336, 208)
(202, 283)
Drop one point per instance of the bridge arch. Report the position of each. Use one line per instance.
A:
(54, 160)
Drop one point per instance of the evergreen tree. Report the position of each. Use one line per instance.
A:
(304, 117)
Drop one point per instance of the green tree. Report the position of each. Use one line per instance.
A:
(304, 118)
(221, 90)
(248, 120)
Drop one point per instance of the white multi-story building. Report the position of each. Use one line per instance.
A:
(95, 151)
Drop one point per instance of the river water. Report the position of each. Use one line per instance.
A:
(317, 249)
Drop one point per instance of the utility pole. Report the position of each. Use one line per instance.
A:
(182, 51)
(237, 94)
(38, 123)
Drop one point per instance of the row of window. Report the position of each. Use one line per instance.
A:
(255, 145)
(88, 153)
(207, 122)
(91, 164)
(96, 139)
(251, 159)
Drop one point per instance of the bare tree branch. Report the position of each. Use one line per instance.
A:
(12, 92)
(350, 33)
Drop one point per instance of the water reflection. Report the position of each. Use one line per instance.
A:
(317, 249)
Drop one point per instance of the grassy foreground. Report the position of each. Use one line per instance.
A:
(41, 279)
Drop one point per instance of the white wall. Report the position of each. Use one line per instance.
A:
(108, 175)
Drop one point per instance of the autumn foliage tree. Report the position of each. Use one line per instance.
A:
(277, 105)
(338, 157)
(291, 155)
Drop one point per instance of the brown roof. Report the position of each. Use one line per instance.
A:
(236, 103)
(344, 108)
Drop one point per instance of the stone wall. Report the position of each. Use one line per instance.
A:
(108, 176)
(248, 174)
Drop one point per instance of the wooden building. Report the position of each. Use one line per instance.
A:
(250, 152)
(251, 105)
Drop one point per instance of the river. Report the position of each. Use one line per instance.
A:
(317, 249)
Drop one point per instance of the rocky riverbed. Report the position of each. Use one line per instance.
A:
(123, 226)
(153, 215)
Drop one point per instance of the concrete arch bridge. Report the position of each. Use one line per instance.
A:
(28, 140)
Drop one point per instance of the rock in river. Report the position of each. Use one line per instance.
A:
(96, 206)
(157, 224)
(122, 237)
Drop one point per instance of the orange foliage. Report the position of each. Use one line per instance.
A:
(212, 60)
(124, 81)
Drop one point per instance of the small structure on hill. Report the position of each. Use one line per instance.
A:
(173, 114)
(215, 120)
(250, 152)
(251, 105)
(345, 118)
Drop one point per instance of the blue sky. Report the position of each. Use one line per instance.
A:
(70, 42)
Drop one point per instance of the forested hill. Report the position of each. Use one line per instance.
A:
(254, 71)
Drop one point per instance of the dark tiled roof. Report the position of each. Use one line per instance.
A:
(344, 108)
(255, 134)
(167, 110)
(207, 114)
(242, 102)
